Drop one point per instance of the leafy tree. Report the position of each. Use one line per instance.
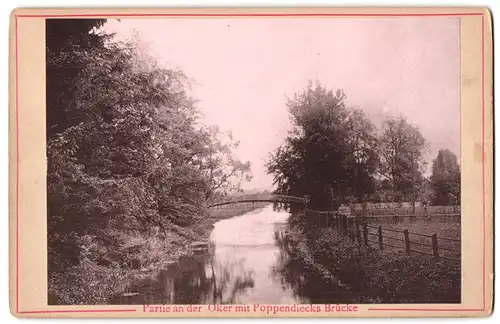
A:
(363, 156)
(135, 127)
(330, 153)
(383, 191)
(426, 192)
(67, 41)
(445, 179)
(402, 149)
(125, 150)
(224, 171)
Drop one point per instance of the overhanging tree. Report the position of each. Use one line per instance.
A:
(126, 151)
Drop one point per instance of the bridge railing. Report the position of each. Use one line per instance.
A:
(271, 199)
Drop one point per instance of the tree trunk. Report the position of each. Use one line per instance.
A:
(339, 195)
(332, 198)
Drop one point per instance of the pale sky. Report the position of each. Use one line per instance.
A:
(244, 68)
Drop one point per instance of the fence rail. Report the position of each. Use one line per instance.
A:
(409, 245)
(358, 230)
(422, 210)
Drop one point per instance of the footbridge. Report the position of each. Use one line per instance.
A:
(268, 198)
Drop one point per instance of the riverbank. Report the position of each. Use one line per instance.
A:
(97, 277)
(368, 275)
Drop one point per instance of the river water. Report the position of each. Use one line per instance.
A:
(246, 263)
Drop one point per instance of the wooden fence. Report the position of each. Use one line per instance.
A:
(324, 218)
(421, 210)
(404, 218)
(411, 242)
(359, 230)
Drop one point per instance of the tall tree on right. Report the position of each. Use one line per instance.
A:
(330, 152)
(445, 179)
(402, 149)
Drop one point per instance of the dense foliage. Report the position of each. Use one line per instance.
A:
(445, 179)
(402, 147)
(330, 154)
(126, 154)
(336, 155)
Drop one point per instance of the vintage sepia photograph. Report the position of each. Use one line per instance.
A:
(255, 160)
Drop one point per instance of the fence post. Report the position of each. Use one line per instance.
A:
(380, 238)
(435, 249)
(365, 234)
(407, 241)
(358, 232)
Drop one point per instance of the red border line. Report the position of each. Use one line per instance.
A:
(17, 167)
(429, 309)
(260, 15)
(482, 164)
(247, 15)
(79, 311)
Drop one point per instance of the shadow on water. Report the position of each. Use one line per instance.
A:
(305, 282)
(248, 261)
(198, 279)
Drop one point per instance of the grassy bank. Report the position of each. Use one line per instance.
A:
(100, 276)
(368, 275)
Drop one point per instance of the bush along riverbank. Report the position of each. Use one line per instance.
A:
(130, 165)
(368, 275)
(104, 273)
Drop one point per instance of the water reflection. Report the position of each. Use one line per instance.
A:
(248, 262)
(230, 281)
(193, 280)
(306, 283)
